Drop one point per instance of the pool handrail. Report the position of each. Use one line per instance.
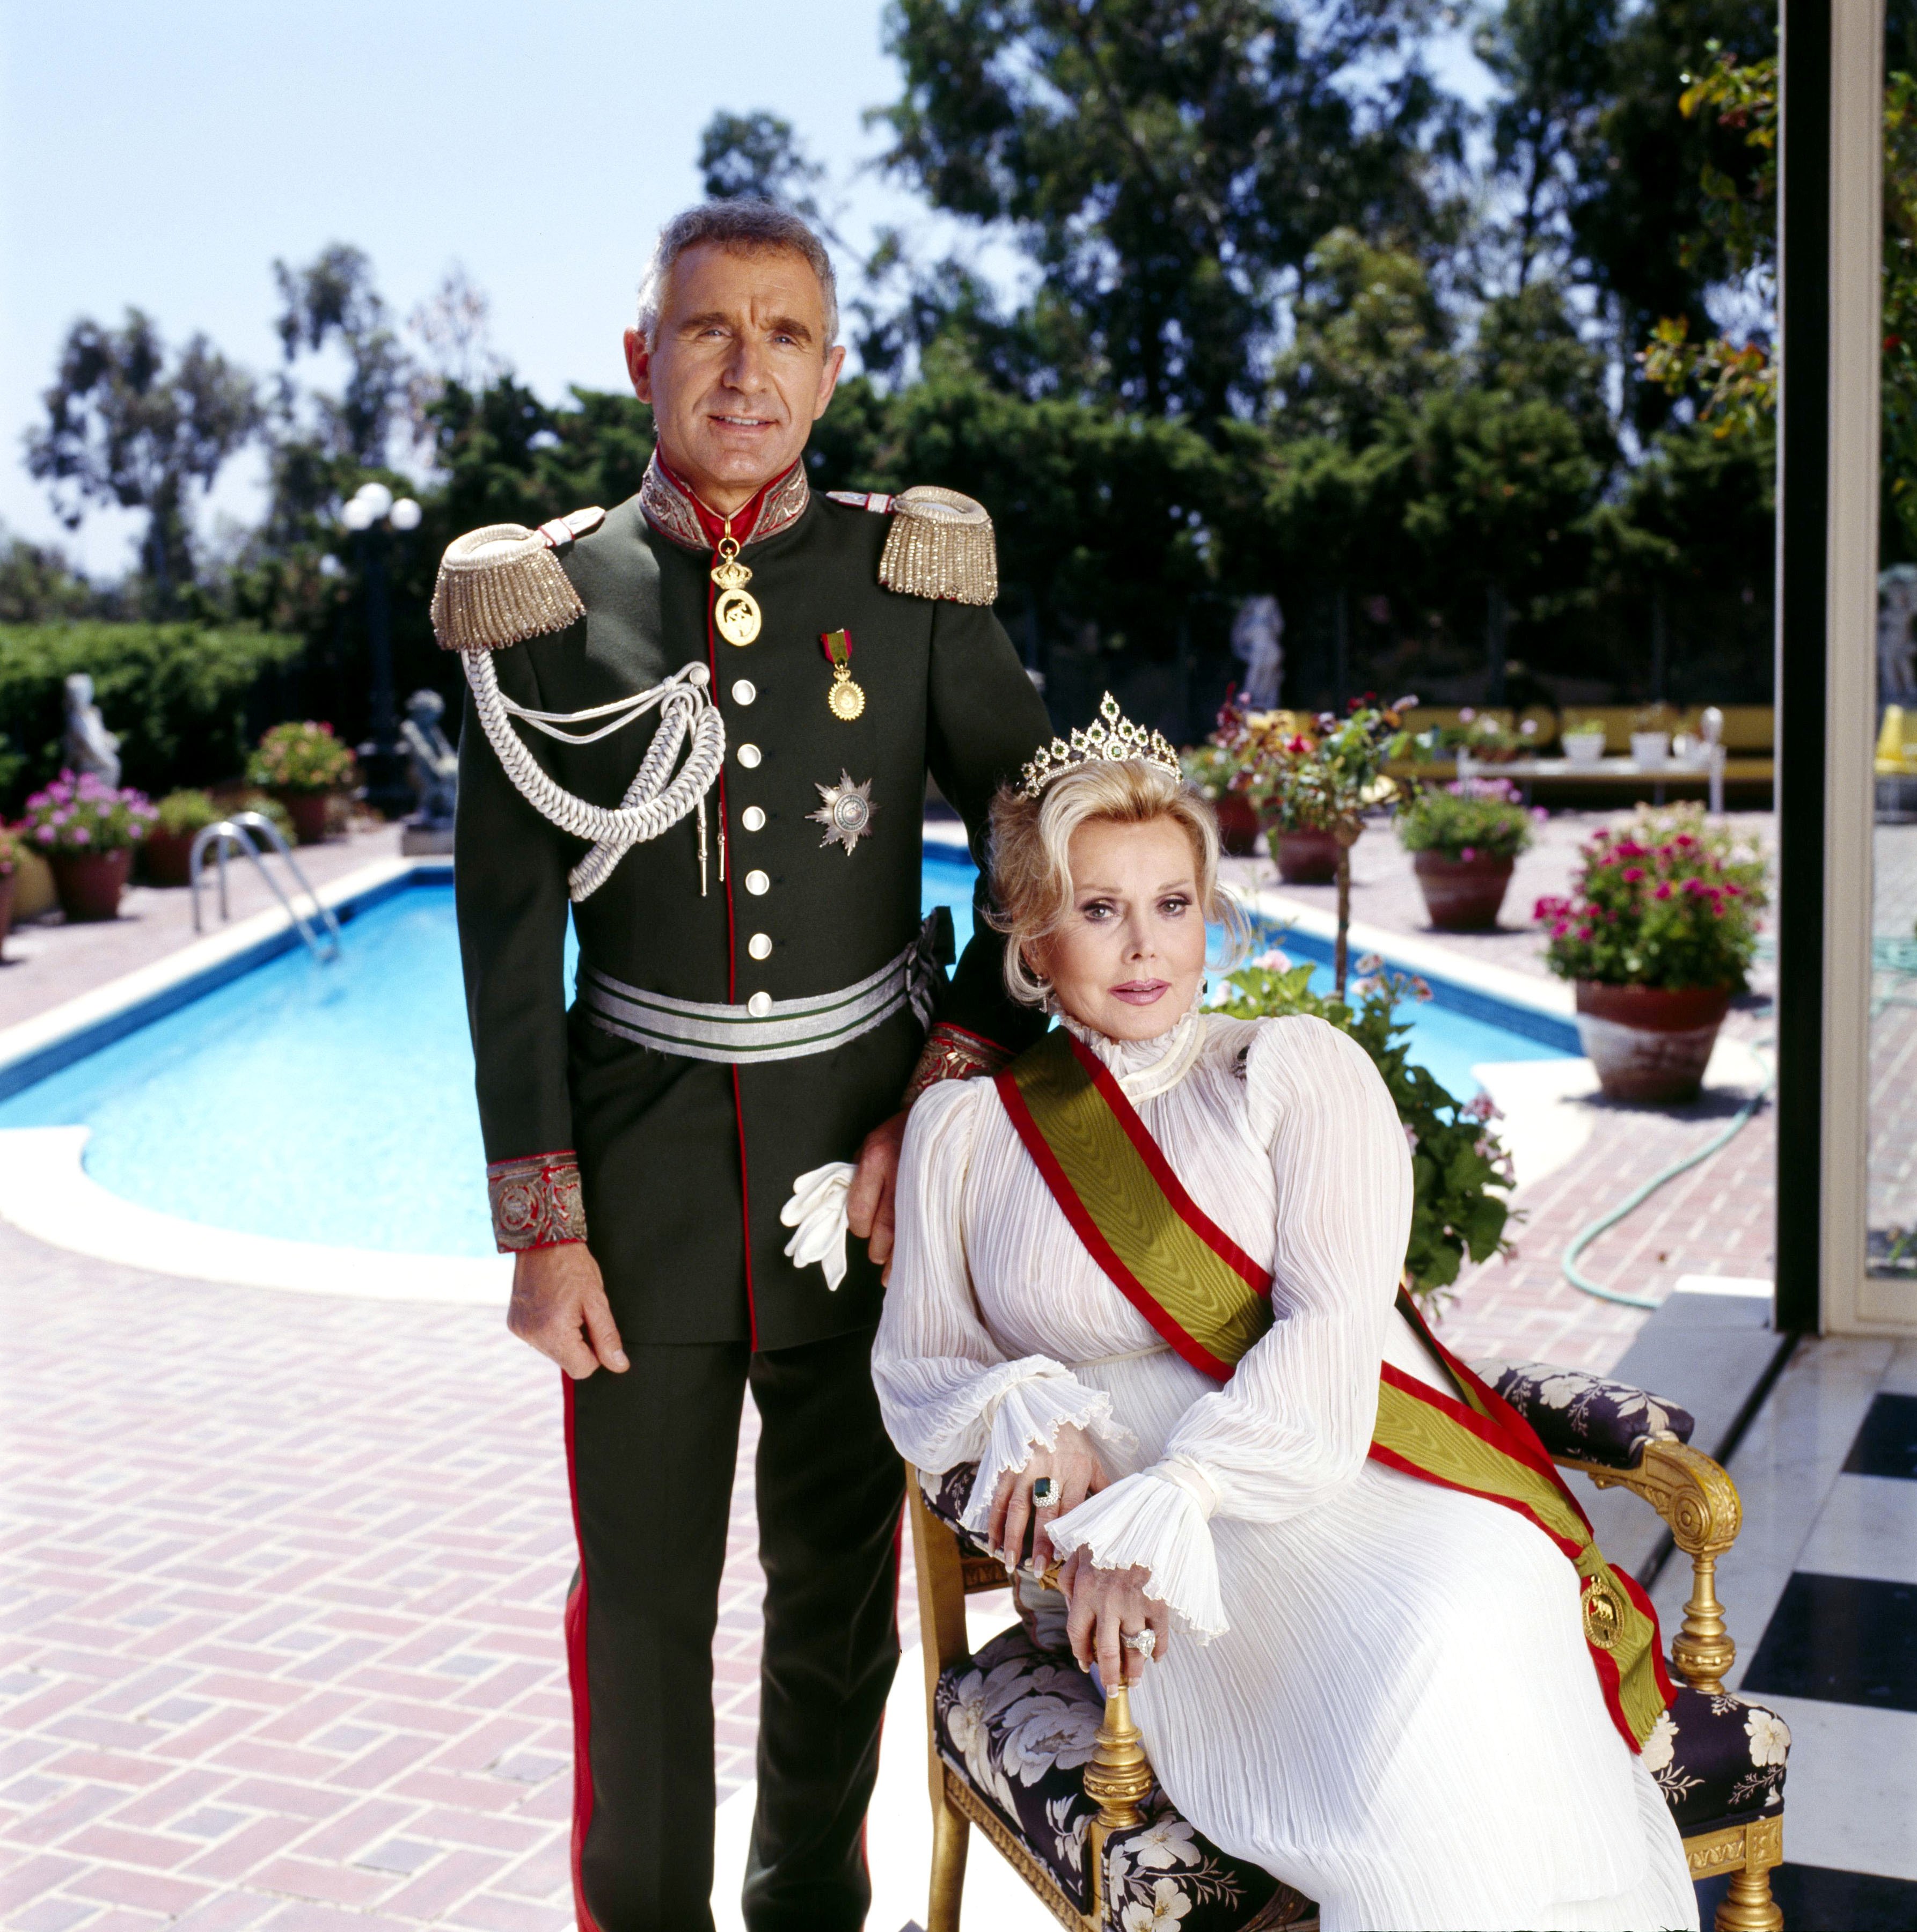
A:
(237, 831)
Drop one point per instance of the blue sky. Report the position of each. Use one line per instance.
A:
(165, 155)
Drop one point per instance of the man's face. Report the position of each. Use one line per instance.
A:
(740, 370)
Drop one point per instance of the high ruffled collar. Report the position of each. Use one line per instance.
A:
(1146, 1067)
(673, 508)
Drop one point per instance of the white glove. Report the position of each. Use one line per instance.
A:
(817, 1210)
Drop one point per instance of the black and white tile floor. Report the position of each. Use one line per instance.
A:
(1821, 1594)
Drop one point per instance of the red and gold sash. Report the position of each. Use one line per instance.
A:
(1211, 1302)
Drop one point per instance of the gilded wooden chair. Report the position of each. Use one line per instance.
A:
(1023, 1747)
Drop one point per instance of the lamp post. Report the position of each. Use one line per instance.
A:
(370, 515)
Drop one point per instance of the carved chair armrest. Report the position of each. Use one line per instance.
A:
(1697, 1499)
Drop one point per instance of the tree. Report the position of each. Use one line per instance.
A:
(125, 427)
(1166, 162)
(333, 298)
(757, 156)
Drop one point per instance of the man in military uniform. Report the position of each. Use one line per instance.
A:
(753, 999)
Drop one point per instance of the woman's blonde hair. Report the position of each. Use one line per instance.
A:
(1031, 873)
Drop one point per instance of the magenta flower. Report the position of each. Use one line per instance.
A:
(1469, 852)
(81, 836)
(1633, 874)
(1664, 891)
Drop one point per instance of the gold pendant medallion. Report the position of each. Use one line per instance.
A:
(846, 699)
(736, 614)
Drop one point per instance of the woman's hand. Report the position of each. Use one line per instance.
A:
(1107, 1606)
(1075, 1473)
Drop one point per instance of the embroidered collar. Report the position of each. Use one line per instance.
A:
(673, 509)
(1146, 1068)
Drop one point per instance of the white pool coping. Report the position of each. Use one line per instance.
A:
(45, 1191)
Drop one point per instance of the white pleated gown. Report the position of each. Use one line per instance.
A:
(1377, 1689)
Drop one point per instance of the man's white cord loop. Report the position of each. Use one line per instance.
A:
(651, 804)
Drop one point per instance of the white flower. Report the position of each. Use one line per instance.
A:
(1168, 1906)
(1560, 1390)
(1659, 1745)
(1042, 1733)
(1068, 1835)
(1169, 1842)
(1769, 1736)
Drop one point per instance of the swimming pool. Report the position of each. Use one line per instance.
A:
(334, 1104)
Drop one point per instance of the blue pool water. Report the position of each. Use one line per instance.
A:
(334, 1103)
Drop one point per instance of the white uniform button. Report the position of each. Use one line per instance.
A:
(759, 1005)
(759, 945)
(757, 884)
(744, 691)
(749, 755)
(753, 818)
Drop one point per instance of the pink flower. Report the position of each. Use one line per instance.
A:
(44, 834)
(1633, 874)
(1584, 932)
(1467, 715)
(1469, 852)
(1664, 890)
(81, 836)
(1562, 927)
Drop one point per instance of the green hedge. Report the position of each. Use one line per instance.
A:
(188, 702)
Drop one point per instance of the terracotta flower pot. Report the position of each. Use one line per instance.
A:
(6, 905)
(1237, 824)
(167, 856)
(1461, 894)
(1305, 858)
(1650, 1044)
(311, 813)
(90, 883)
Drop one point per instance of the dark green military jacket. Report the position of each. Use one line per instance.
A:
(683, 1165)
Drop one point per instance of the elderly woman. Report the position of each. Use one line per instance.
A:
(1148, 1280)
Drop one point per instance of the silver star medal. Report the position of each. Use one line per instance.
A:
(847, 813)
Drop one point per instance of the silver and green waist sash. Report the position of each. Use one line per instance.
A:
(763, 1027)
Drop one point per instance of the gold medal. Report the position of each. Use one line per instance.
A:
(735, 615)
(846, 700)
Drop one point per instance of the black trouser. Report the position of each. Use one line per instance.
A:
(653, 1453)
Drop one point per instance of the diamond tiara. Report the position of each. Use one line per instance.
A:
(1113, 740)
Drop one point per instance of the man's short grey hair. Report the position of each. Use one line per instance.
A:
(746, 225)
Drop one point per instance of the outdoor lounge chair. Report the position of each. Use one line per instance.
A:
(1091, 1834)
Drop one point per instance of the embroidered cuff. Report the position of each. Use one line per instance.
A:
(951, 1053)
(536, 1200)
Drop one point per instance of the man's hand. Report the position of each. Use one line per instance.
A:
(1108, 1605)
(1075, 1472)
(868, 1203)
(559, 1306)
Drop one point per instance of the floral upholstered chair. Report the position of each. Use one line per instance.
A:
(1024, 1747)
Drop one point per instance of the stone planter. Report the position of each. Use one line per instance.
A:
(167, 856)
(6, 906)
(311, 813)
(90, 883)
(1305, 858)
(33, 886)
(1461, 894)
(1650, 749)
(1650, 1044)
(1584, 748)
(1237, 824)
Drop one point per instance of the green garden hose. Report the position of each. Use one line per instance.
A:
(1638, 1195)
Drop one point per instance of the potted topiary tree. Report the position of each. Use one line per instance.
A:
(1657, 936)
(1464, 839)
(1313, 789)
(87, 829)
(304, 767)
(181, 816)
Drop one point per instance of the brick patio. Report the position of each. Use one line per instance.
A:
(279, 1633)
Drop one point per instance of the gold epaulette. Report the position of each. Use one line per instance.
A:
(502, 584)
(941, 543)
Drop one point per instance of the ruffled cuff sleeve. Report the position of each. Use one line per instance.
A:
(1036, 1399)
(1159, 1519)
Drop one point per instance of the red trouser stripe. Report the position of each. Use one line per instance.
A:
(582, 1694)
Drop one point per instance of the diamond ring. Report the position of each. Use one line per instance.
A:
(1144, 1642)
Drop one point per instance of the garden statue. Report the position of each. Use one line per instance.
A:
(434, 769)
(1897, 654)
(1255, 633)
(435, 764)
(88, 747)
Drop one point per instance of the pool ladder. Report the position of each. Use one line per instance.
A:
(321, 933)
